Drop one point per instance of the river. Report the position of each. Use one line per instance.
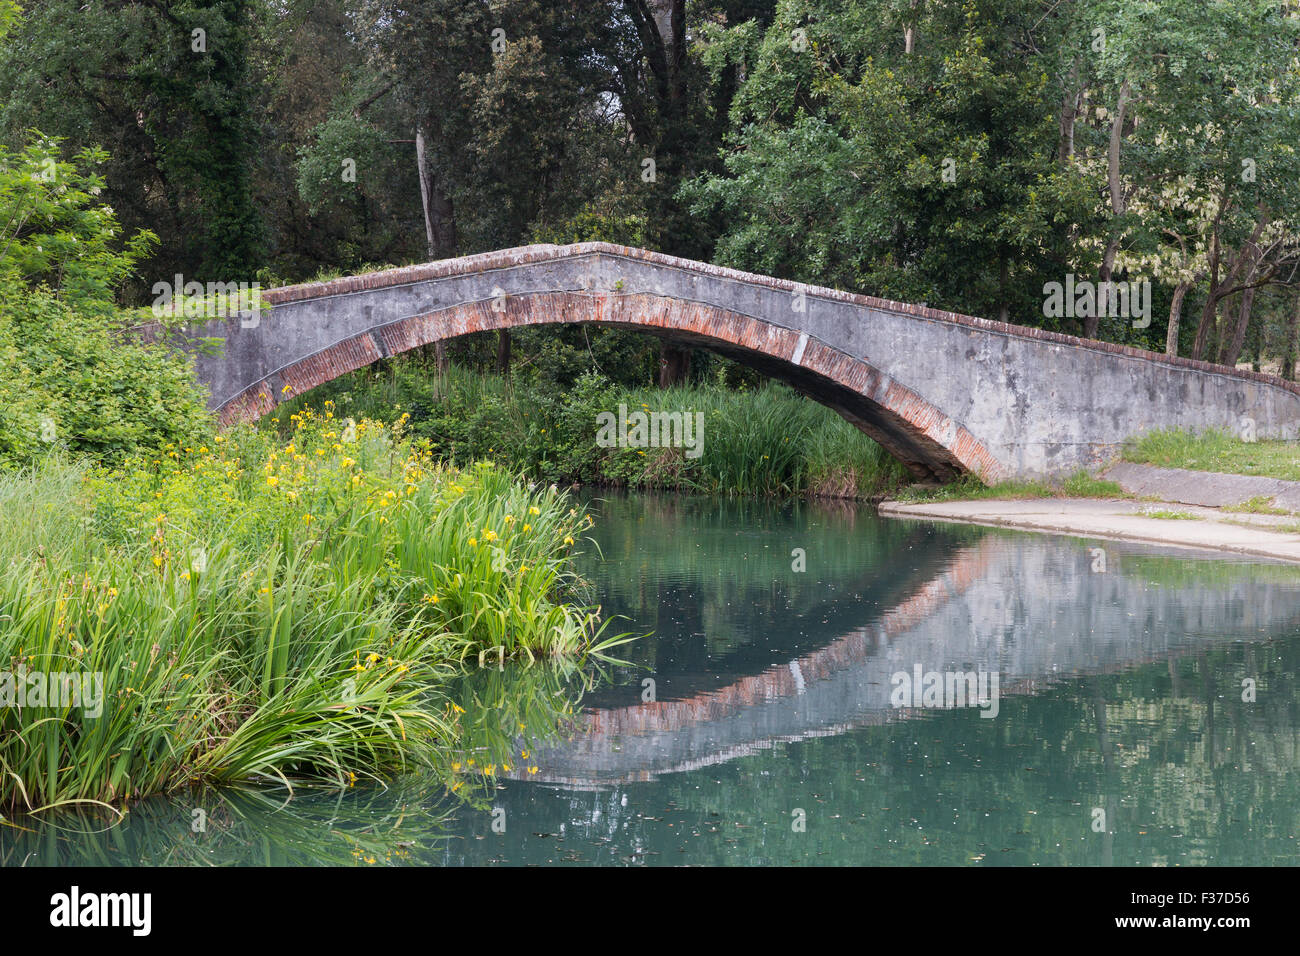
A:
(1139, 707)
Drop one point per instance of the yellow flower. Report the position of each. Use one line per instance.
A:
(523, 754)
(534, 510)
(272, 481)
(568, 539)
(532, 770)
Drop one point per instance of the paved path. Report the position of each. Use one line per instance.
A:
(1210, 488)
(1264, 535)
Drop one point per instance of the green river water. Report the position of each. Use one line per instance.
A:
(1146, 713)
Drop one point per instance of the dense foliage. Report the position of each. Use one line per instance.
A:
(266, 608)
(742, 441)
(68, 378)
(958, 153)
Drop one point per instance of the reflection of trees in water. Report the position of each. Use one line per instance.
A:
(713, 580)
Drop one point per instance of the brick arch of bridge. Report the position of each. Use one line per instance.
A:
(913, 430)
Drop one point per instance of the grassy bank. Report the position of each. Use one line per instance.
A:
(764, 441)
(272, 606)
(1216, 451)
(1078, 485)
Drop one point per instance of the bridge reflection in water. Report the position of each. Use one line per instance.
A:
(1032, 610)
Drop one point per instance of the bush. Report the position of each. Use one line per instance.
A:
(70, 383)
(68, 378)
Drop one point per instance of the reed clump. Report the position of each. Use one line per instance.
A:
(266, 607)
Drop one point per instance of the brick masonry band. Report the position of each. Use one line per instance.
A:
(945, 393)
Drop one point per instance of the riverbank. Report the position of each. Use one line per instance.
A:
(1163, 523)
(268, 607)
(1244, 512)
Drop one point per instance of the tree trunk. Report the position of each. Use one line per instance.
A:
(1004, 310)
(1176, 317)
(439, 216)
(1230, 351)
(1069, 116)
(1218, 289)
(439, 229)
(503, 352)
(674, 365)
(1112, 154)
(1208, 314)
(1292, 342)
(1117, 206)
(1257, 346)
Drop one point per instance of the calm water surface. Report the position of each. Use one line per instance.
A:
(754, 723)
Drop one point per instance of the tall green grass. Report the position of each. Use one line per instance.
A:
(1216, 450)
(767, 441)
(269, 608)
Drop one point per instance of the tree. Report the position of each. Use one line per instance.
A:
(1188, 120)
(166, 88)
(67, 378)
(926, 175)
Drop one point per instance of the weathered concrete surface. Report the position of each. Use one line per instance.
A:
(1211, 489)
(1033, 611)
(1119, 520)
(944, 393)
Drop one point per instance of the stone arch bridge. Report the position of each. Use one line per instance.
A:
(944, 393)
